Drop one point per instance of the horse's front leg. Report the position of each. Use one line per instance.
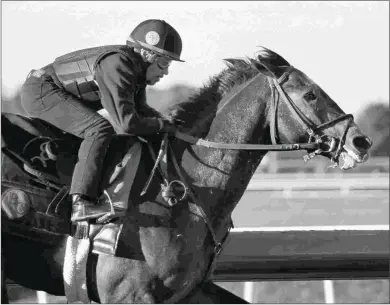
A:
(121, 280)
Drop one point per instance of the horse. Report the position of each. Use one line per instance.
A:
(254, 105)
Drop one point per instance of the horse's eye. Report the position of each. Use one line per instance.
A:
(310, 96)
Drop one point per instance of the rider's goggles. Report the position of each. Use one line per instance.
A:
(163, 62)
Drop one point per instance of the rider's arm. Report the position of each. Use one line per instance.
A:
(143, 108)
(117, 79)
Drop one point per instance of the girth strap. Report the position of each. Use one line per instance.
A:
(202, 213)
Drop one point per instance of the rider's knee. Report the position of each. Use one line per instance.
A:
(101, 128)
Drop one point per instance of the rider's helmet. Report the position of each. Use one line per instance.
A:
(157, 36)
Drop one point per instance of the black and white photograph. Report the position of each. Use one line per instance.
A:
(199, 152)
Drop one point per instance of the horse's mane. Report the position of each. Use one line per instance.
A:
(199, 110)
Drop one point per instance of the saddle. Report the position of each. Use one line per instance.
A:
(36, 179)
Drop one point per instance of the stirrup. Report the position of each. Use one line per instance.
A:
(84, 210)
(105, 218)
(110, 216)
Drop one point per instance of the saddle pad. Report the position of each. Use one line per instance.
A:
(75, 270)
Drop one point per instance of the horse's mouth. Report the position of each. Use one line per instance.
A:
(349, 159)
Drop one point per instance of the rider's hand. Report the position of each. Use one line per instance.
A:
(168, 126)
(174, 121)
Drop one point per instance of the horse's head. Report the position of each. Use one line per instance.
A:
(302, 111)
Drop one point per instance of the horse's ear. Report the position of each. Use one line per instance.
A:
(229, 62)
(236, 62)
(266, 69)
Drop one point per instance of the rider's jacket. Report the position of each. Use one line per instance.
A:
(76, 71)
(112, 76)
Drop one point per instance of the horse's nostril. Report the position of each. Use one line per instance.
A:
(362, 143)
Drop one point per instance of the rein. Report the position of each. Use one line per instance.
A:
(275, 147)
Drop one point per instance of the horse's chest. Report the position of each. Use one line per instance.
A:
(171, 240)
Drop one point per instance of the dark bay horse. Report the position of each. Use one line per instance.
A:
(253, 106)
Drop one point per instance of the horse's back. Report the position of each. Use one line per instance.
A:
(15, 130)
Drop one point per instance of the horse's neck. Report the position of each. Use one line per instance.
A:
(220, 177)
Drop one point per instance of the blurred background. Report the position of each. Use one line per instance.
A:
(343, 46)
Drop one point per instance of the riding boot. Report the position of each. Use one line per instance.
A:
(83, 208)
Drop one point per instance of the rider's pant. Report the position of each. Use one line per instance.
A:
(43, 99)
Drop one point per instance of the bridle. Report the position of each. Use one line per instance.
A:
(326, 144)
(321, 144)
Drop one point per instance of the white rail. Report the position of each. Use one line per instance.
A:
(261, 182)
(372, 228)
(304, 253)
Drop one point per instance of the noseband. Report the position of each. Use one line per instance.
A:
(326, 144)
